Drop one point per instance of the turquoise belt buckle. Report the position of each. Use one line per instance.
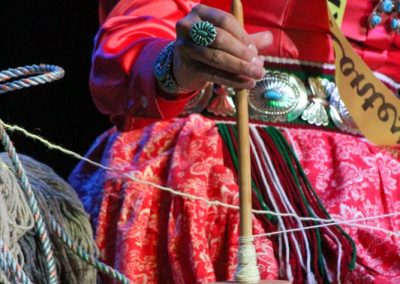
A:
(278, 97)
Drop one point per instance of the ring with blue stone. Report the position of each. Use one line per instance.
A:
(203, 33)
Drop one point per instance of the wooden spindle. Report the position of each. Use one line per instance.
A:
(242, 123)
(245, 191)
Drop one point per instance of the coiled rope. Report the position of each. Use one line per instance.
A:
(10, 267)
(26, 187)
(44, 73)
(35, 75)
(60, 233)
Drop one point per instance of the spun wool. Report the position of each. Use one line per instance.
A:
(56, 199)
(16, 218)
(279, 182)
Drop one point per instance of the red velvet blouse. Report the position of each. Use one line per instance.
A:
(122, 82)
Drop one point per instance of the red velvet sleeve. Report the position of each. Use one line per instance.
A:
(121, 80)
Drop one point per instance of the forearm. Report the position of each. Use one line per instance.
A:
(122, 80)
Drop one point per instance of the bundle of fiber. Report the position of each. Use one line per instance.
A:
(57, 201)
(15, 216)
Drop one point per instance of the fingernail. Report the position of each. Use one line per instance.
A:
(258, 60)
(253, 48)
(251, 84)
(259, 72)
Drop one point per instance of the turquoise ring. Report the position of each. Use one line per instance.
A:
(203, 33)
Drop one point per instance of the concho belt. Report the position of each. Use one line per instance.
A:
(282, 97)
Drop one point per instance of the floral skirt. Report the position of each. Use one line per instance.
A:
(155, 236)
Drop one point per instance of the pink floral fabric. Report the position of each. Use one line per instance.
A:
(154, 236)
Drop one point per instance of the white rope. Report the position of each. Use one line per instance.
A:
(170, 190)
(331, 234)
(329, 222)
(281, 225)
(344, 222)
(285, 201)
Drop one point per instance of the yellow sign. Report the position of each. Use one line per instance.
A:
(373, 107)
(337, 7)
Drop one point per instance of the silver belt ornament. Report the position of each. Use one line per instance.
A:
(278, 97)
(283, 97)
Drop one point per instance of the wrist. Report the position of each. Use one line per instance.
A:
(163, 72)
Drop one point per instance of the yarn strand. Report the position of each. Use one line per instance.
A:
(61, 234)
(328, 222)
(7, 262)
(26, 187)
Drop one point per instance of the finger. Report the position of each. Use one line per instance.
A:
(228, 43)
(224, 40)
(226, 62)
(262, 40)
(223, 78)
(184, 25)
(223, 20)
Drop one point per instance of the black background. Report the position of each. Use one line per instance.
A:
(60, 33)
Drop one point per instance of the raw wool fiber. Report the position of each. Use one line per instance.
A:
(16, 218)
(55, 198)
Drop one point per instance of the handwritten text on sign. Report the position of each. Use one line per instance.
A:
(373, 107)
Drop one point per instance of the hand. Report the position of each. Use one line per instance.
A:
(231, 60)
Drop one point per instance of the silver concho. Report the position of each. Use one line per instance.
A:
(340, 115)
(315, 113)
(277, 97)
(222, 104)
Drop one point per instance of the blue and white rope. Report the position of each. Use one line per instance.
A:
(55, 227)
(44, 73)
(26, 187)
(47, 73)
(7, 263)
(61, 234)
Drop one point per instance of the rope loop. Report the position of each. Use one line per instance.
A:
(34, 75)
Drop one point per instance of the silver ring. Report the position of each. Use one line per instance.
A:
(203, 33)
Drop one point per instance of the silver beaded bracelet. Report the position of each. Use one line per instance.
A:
(163, 70)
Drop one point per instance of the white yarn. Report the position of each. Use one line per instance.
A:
(339, 257)
(274, 204)
(329, 222)
(328, 272)
(288, 206)
(170, 190)
(340, 250)
(247, 269)
(345, 222)
(15, 215)
(291, 140)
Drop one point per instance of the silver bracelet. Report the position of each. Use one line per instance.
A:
(163, 70)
